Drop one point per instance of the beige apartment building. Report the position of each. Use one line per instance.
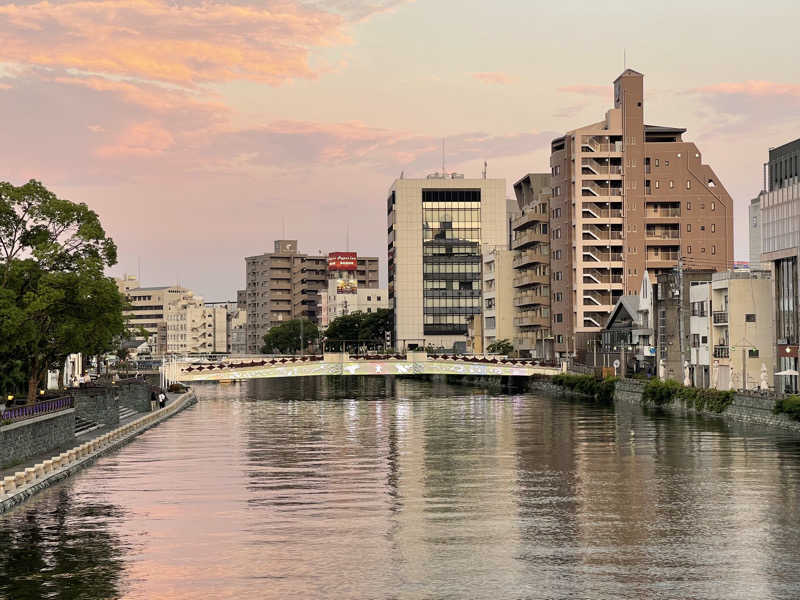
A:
(742, 330)
(437, 228)
(196, 328)
(627, 197)
(498, 296)
(286, 284)
(531, 281)
(148, 307)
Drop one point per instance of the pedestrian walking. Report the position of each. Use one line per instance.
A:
(162, 399)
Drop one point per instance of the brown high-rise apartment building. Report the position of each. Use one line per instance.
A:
(531, 244)
(286, 284)
(627, 197)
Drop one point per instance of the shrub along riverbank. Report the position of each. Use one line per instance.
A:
(601, 390)
(659, 393)
(789, 406)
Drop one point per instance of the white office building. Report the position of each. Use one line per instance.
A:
(436, 229)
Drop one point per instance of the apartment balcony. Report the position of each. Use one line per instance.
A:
(529, 257)
(596, 211)
(527, 237)
(531, 319)
(531, 299)
(591, 188)
(662, 213)
(531, 216)
(720, 317)
(594, 232)
(592, 145)
(595, 255)
(722, 352)
(592, 166)
(663, 234)
(530, 278)
(598, 277)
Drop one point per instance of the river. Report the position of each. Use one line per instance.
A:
(409, 489)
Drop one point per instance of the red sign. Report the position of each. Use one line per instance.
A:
(342, 261)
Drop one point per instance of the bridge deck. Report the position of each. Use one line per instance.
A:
(341, 364)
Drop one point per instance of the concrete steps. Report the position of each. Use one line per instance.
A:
(84, 426)
(126, 413)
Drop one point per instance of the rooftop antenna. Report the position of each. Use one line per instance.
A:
(485, 164)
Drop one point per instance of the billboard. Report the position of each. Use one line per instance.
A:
(346, 286)
(342, 261)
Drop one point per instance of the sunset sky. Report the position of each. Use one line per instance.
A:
(195, 129)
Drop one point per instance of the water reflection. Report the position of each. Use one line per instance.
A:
(404, 489)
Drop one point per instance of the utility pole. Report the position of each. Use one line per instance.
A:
(744, 368)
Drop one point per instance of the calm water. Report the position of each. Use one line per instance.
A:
(416, 491)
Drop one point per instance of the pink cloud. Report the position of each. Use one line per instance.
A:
(165, 41)
(752, 88)
(587, 90)
(140, 139)
(495, 77)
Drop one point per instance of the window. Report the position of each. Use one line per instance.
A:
(755, 222)
(704, 339)
(688, 227)
(491, 323)
(558, 317)
(369, 310)
(702, 250)
(671, 184)
(558, 276)
(369, 298)
(558, 296)
(749, 318)
(658, 184)
(752, 353)
(378, 298)
(713, 227)
(702, 227)
(688, 184)
(666, 163)
(688, 206)
(713, 206)
(559, 339)
(713, 249)
(656, 164)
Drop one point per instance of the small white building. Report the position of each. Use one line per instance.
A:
(345, 297)
(700, 334)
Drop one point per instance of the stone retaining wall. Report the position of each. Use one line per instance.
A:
(745, 408)
(22, 439)
(96, 404)
(17, 488)
(134, 394)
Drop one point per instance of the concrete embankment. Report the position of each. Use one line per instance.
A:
(15, 489)
(745, 408)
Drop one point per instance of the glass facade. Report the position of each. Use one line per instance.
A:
(786, 300)
(451, 236)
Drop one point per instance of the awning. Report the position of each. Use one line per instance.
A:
(790, 372)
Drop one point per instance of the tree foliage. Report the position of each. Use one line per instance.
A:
(500, 347)
(360, 328)
(54, 297)
(285, 338)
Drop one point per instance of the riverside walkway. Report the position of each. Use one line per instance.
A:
(412, 363)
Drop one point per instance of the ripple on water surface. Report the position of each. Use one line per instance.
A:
(409, 489)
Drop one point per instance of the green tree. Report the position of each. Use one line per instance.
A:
(500, 347)
(54, 298)
(360, 328)
(285, 338)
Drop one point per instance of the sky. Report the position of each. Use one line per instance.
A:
(202, 131)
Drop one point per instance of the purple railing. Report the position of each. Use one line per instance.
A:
(20, 413)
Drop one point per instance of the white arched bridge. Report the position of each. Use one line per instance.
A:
(412, 363)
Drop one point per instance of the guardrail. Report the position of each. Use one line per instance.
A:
(21, 413)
